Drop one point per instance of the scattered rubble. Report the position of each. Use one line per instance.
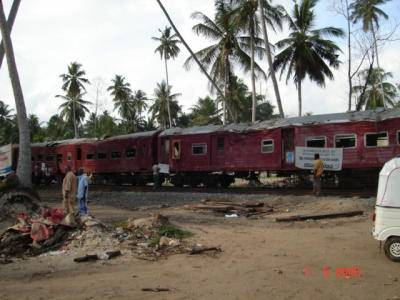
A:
(320, 216)
(232, 209)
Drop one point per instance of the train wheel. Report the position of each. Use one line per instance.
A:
(210, 182)
(225, 181)
(392, 248)
(177, 181)
(141, 181)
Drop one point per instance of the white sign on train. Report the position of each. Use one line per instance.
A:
(5, 160)
(332, 158)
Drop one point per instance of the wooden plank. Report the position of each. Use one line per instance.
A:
(320, 216)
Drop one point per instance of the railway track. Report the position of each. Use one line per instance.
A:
(339, 192)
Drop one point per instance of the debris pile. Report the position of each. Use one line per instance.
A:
(232, 209)
(87, 239)
(153, 237)
(35, 235)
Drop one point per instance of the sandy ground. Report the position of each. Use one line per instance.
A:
(261, 259)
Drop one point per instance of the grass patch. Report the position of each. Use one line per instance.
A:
(154, 241)
(174, 232)
(123, 224)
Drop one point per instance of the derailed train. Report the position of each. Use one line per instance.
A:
(216, 155)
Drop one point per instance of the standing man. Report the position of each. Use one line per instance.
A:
(83, 187)
(318, 171)
(156, 176)
(69, 190)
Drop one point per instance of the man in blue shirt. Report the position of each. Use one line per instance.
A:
(82, 194)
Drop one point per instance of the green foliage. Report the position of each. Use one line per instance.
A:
(369, 94)
(168, 44)
(205, 112)
(101, 126)
(368, 12)
(174, 232)
(159, 109)
(229, 46)
(306, 52)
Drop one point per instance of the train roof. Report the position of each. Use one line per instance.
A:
(335, 118)
(132, 135)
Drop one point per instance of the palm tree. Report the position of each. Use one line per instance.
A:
(273, 15)
(24, 168)
(122, 96)
(305, 51)
(212, 82)
(205, 112)
(73, 110)
(159, 109)
(74, 82)
(368, 12)
(57, 129)
(247, 18)
(229, 47)
(10, 23)
(246, 15)
(140, 101)
(5, 113)
(370, 93)
(167, 49)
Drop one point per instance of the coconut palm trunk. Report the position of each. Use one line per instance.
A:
(300, 97)
(349, 53)
(167, 78)
(377, 62)
(76, 135)
(190, 50)
(269, 57)
(24, 168)
(10, 24)
(253, 76)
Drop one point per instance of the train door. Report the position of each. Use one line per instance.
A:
(79, 162)
(218, 145)
(288, 149)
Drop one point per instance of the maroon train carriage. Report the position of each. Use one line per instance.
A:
(216, 155)
(122, 159)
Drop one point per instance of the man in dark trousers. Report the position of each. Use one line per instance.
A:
(318, 171)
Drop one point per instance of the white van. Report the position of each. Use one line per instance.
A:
(387, 209)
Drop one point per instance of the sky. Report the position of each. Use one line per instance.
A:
(111, 37)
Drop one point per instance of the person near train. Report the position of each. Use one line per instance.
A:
(156, 176)
(318, 171)
(82, 195)
(69, 187)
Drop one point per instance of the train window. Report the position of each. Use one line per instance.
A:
(40, 157)
(199, 149)
(316, 142)
(176, 149)
(345, 141)
(79, 154)
(59, 157)
(89, 156)
(101, 155)
(69, 156)
(49, 158)
(379, 139)
(267, 146)
(33, 158)
(130, 153)
(116, 155)
(221, 144)
(398, 137)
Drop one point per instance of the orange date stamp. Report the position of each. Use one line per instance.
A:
(339, 273)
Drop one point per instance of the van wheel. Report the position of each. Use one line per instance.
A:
(392, 248)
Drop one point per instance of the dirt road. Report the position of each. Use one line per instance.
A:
(261, 259)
